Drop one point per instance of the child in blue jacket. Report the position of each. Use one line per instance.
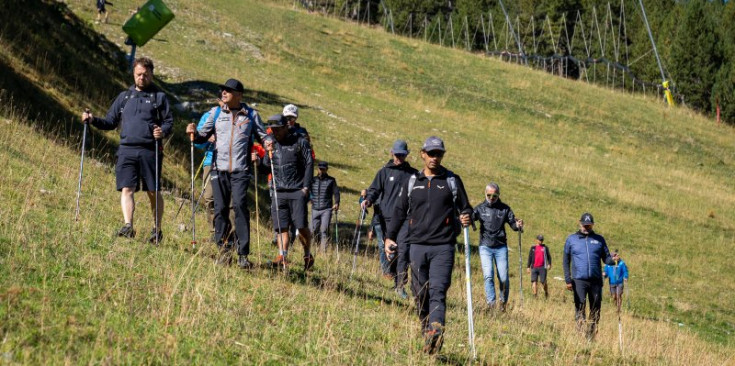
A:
(618, 277)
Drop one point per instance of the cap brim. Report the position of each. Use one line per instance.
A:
(435, 149)
(291, 115)
(399, 152)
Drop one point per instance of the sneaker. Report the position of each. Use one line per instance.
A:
(152, 237)
(127, 231)
(401, 292)
(244, 263)
(502, 306)
(388, 276)
(308, 262)
(433, 338)
(225, 258)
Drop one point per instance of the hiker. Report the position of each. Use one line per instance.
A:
(384, 191)
(493, 214)
(144, 116)
(101, 9)
(434, 204)
(539, 262)
(236, 127)
(291, 114)
(292, 165)
(583, 252)
(618, 277)
(208, 147)
(323, 189)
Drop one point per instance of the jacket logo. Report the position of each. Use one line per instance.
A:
(419, 187)
(594, 242)
(391, 179)
(440, 187)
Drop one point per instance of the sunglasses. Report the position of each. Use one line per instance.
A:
(435, 153)
(494, 195)
(400, 156)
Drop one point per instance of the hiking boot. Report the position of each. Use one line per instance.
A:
(308, 262)
(152, 236)
(388, 276)
(433, 338)
(225, 258)
(401, 292)
(126, 231)
(244, 263)
(502, 306)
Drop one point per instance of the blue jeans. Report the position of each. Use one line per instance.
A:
(500, 255)
(384, 263)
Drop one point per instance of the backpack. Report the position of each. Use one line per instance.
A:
(152, 96)
(452, 182)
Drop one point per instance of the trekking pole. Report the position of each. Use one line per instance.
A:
(204, 188)
(257, 211)
(620, 333)
(336, 231)
(156, 194)
(470, 321)
(192, 197)
(81, 165)
(275, 199)
(193, 216)
(357, 239)
(520, 266)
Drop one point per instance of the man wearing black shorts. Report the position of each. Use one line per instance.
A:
(289, 157)
(539, 261)
(143, 113)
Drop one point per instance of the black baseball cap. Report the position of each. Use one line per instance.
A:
(540, 237)
(233, 84)
(587, 219)
(323, 165)
(276, 121)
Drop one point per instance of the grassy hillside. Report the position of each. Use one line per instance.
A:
(659, 182)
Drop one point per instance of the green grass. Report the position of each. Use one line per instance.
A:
(658, 180)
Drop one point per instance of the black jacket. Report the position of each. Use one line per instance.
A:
(136, 112)
(493, 218)
(430, 210)
(322, 190)
(292, 163)
(531, 255)
(386, 186)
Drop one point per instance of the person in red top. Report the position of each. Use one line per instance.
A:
(539, 262)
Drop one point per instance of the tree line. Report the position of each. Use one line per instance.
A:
(695, 38)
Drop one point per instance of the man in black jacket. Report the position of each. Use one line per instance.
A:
(494, 214)
(290, 156)
(323, 188)
(384, 192)
(143, 114)
(434, 204)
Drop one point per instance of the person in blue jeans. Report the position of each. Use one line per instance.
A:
(618, 276)
(493, 214)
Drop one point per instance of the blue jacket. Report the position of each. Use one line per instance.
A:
(584, 253)
(208, 147)
(616, 274)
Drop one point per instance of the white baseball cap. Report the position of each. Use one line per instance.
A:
(290, 110)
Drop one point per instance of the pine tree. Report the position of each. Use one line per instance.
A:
(695, 56)
(723, 92)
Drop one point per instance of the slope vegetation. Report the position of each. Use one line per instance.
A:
(658, 180)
